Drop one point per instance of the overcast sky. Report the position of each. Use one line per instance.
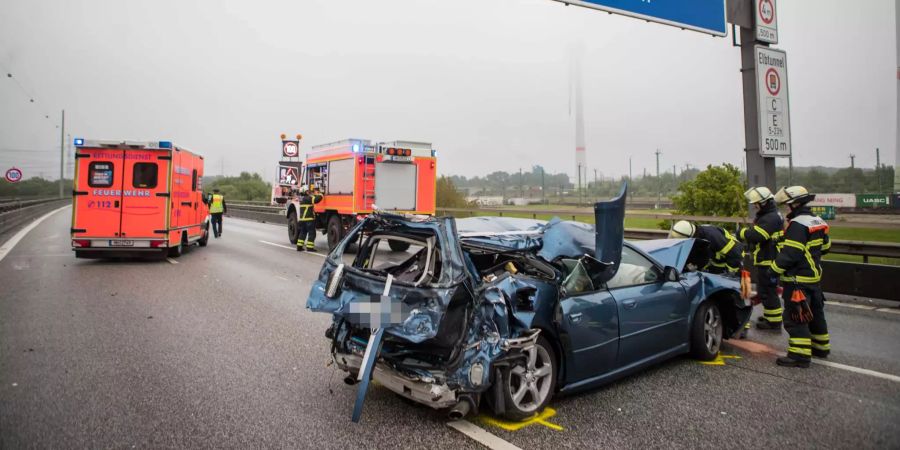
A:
(486, 81)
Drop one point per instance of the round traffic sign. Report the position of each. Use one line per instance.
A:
(773, 81)
(766, 11)
(291, 149)
(13, 175)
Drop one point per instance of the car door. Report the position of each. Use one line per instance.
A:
(652, 312)
(591, 322)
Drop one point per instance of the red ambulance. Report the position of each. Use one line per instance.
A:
(133, 198)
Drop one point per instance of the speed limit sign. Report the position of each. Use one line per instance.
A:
(13, 175)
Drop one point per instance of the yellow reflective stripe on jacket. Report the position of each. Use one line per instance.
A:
(762, 231)
(777, 269)
(795, 244)
(826, 246)
(216, 206)
(815, 243)
(304, 209)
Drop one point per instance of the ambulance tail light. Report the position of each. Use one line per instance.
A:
(81, 243)
(157, 244)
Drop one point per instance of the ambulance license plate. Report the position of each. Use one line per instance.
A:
(121, 243)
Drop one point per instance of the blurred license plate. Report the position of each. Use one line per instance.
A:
(121, 243)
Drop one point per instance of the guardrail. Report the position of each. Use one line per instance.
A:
(862, 279)
(16, 213)
(856, 248)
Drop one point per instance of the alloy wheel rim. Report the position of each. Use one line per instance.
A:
(712, 330)
(529, 385)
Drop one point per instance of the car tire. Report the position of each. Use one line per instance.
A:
(398, 246)
(335, 232)
(205, 239)
(292, 227)
(706, 332)
(177, 250)
(521, 399)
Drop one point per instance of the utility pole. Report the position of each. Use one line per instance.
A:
(791, 170)
(852, 176)
(878, 168)
(630, 195)
(595, 181)
(543, 187)
(579, 185)
(658, 181)
(521, 186)
(62, 152)
(852, 161)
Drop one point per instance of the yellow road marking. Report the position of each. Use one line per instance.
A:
(720, 360)
(540, 419)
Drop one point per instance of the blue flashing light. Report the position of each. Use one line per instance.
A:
(79, 142)
(355, 148)
(165, 144)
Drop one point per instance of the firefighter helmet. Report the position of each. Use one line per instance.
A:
(758, 195)
(682, 229)
(793, 195)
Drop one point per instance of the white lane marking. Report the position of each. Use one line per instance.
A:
(871, 373)
(889, 310)
(11, 243)
(277, 245)
(281, 278)
(850, 305)
(481, 435)
(171, 261)
(291, 248)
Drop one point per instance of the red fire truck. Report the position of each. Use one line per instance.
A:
(136, 198)
(357, 176)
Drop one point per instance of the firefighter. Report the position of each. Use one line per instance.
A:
(725, 252)
(798, 264)
(306, 219)
(761, 239)
(217, 208)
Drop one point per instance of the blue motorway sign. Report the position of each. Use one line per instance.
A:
(706, 16)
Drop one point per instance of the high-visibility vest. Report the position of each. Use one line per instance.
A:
(216, 205)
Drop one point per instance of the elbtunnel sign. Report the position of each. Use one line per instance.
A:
(772, 102)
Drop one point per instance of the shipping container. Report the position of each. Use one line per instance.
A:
(873, 201)
(836, 200)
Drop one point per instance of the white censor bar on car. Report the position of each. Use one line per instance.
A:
(376, 319)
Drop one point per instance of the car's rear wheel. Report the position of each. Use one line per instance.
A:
(706, 332)
(177, 250)
(528, 386)
(204, 239)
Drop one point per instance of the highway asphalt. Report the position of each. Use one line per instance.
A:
(218, 350)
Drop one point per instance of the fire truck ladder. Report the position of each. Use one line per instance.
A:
(368, 184)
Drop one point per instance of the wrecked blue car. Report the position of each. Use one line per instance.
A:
(506, 313)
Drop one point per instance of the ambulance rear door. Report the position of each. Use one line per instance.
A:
(145, 193)
(97, 199)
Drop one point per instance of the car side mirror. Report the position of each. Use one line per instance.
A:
(671, 274)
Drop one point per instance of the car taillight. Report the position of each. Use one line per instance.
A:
(157, 244)
(81, 242)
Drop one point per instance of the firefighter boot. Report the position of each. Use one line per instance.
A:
(787, 361)
(301, 245)
(767, 325)
(823, 354)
